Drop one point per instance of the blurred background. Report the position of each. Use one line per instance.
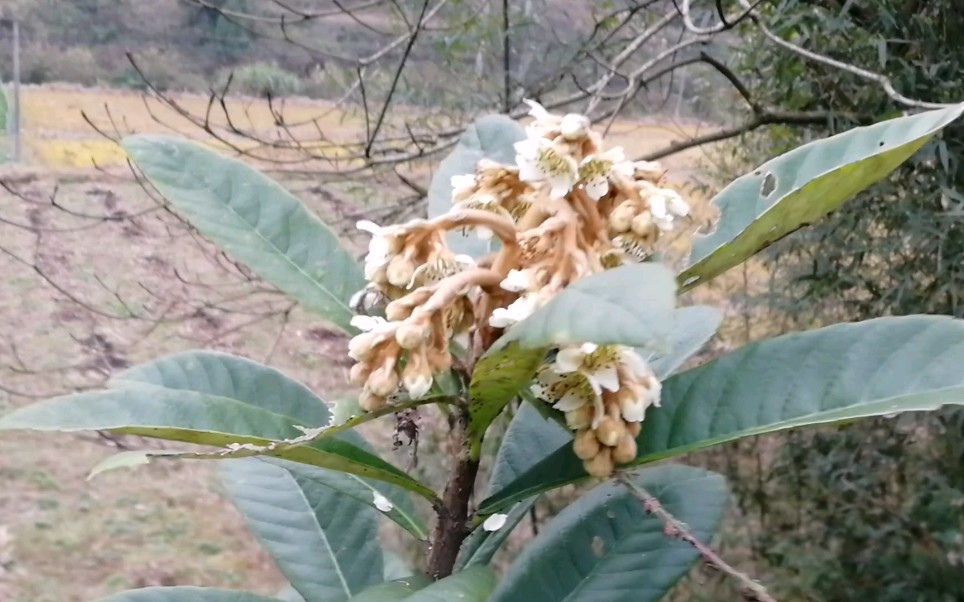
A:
(351, 104)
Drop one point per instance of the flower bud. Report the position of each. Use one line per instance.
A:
(579, 418)
(601, 465)
(631, 407)
(438, 360)
(358, 374)
(383, 381)
(634, 428)
(609, 431)
(417, 376)
(400, 271)
(586, 446)
(371, 402)
(360, 347)
(626, 450)
(621, 218)
(643, 224)
(396, 311)
(412, 334)
(574, 126)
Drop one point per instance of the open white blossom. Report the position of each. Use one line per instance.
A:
(597, 363)
(665, 206)
(494, 522)
(518, 310)
(571, 126)
(539, 160)
(517, 281)
(381, 502)
(595, 171)
(380, 248)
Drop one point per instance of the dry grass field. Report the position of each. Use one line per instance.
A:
(66, 539)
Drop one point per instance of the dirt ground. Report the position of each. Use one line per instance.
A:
(95, 279)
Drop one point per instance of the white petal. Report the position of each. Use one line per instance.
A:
(657, 207)
(624, 169)
(560, 186)
(528, 149)
(574, 126)
(501, 318)
(466, 261)
(494, 522)
(370, 227)
(569, 360)
(569, 401)
(635, 362)
(597, 188)
(536, 110)
(417, 387)
(615, 155)
(588, 348)
(484, 233)
(676, 204)
(516, 281)
(463, 183)
(607, 377)
(633, 410)
(368, 323)
(382, 502)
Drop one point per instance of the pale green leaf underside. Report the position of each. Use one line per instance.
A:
(606, 548)
(325, 543)
(693, 326)
(172, 399)
(803, 185)
(254, 220)
(185, 594)
(471, 585)
(630, 305)
(832, 374)
(489, 137)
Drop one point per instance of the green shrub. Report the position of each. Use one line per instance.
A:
(262, 79)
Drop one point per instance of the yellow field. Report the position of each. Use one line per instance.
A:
(57, 135)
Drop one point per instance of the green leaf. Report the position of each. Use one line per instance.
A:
(471, 585)
(325, 543)
(803, 185)
(490, 137)
(481, 546)
(842, 372)
(185, 594)
(693, 326)
(402, 512)
(630, 305)
(399, 589)
(254, 220)
(179, 398)
(606, 548)
(529, 438)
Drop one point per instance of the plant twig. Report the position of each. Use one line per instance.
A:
(453, 513)
(751, 589)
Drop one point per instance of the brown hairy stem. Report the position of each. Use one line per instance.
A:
(453, 512)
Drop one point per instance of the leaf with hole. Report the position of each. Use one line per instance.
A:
(803, 185)
(254, 220)
(833, 374)
(605, 547)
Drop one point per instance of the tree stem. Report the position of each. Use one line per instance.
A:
(453, 513)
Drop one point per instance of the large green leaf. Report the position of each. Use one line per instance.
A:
(254, 220)
(803, 185)
(490, 137)
(471, 585)
(832, 374)
(185, 594)
(606, 548)
(693, 326)
(325, 543)
(180, 398)
(399, 589)
(481, 546)
(529, 438)
(362, 490)
(630, 305)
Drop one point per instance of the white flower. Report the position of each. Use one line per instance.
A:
(463, 185)
(571, 126)
(633, 407)
(595, 171)
(566, 392)
(494, 522)
(666, 205)
(381, 248)
(518, 310)
(597, 363)
(574, 126)
(539, 160)
(381, 502)
(517, 281)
